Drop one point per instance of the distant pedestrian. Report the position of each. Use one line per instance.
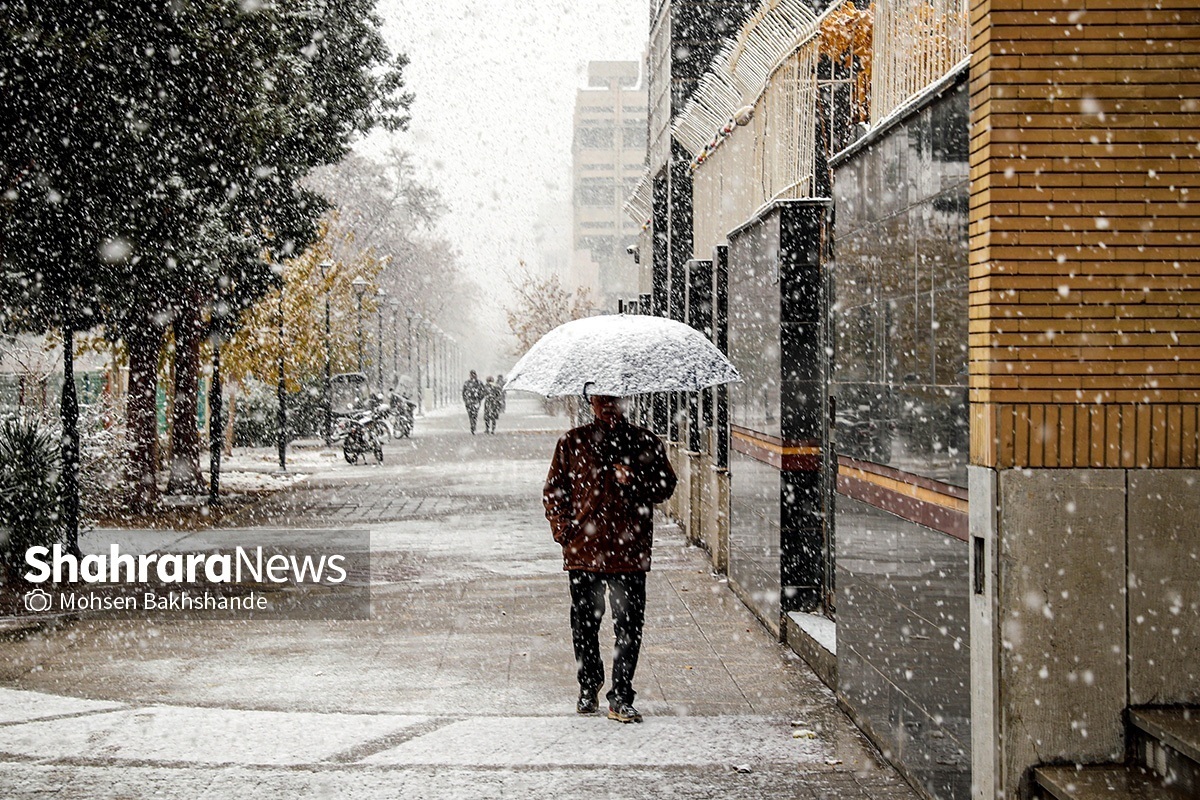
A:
(503, 398)
(491, 405)
(472, 395)
(600, 493)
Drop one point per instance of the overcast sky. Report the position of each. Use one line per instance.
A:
(495, 85)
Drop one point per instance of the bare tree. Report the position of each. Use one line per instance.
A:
(386, 212)
(540, 306)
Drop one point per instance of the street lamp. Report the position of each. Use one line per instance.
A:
(408, 360)
(360, 288)
(427, 364)
(380, 297)
(431, 349)
(420, 385)
(216, 426)
(394, 305)
(451, 357)
(438, 377)
(326, 268)
(281, 395)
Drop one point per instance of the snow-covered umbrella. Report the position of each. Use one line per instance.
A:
(621, 355)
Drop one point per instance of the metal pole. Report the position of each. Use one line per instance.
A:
(216, 426)
(379, 371)
(420, 385)
(281, 395)
(70, 442)
(327, 389)
(328, 374)
(395, 345)
(360, 331)
(435, 396)
(409, 356)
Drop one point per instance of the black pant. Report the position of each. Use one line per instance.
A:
(472, 414)
(627, 594)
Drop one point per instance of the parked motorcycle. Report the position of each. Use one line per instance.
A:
(363, 433)
(402, 409)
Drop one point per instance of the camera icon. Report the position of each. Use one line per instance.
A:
(38, 600)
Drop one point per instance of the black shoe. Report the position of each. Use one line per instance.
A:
(624, 712)
(588, 704)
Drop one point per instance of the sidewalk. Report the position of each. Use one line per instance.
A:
(460, 686)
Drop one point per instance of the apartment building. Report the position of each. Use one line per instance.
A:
(608, 155)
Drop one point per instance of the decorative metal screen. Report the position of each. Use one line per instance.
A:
(917, 42)
(785, 127)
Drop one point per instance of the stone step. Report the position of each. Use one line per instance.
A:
(1167, 741)
(1105, 782)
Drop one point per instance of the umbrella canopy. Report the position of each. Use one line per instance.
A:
(621, 355)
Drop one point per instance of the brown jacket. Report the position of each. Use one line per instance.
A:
(602, 525)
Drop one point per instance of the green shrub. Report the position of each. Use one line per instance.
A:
(29, 502)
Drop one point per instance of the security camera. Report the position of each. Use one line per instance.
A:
(634, 251)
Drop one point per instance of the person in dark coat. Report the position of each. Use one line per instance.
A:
(599, 496)
(472, 395)
(491, 405)
(503, 399)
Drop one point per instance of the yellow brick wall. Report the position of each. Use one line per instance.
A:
(1085, 233)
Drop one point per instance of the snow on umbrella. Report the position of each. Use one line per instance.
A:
(621, 355)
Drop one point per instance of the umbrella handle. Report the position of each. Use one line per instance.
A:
(585, 385)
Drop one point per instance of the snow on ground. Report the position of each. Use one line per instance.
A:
(206, 735)
(18, 706)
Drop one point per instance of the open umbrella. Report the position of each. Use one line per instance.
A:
(621, 355)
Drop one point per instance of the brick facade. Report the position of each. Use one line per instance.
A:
(1085, 242)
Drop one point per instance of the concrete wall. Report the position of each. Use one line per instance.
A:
(1163, 511)
(1059, 648)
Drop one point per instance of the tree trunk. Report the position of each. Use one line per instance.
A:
(185, 477)
(142, 414)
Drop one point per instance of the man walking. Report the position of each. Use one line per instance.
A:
(472, 395)
(600, 493)
(491, 405)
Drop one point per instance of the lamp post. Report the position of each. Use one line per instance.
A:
(281, 395)
(360, 288)
(69, 410)
(447, 363)
(408, 360)
(394, 305)
(380, 298)
(441, 365)
(326, 268)
(216, 425)
(429, 364)
(432, 349)
(420, 383)
(440, 359)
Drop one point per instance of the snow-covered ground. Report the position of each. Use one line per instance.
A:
(460, 685)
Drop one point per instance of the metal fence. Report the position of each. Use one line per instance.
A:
(916, 43)
(785, 128)
(763, 83)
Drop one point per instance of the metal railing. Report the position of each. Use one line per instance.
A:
(916, 43)
(785, 128)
